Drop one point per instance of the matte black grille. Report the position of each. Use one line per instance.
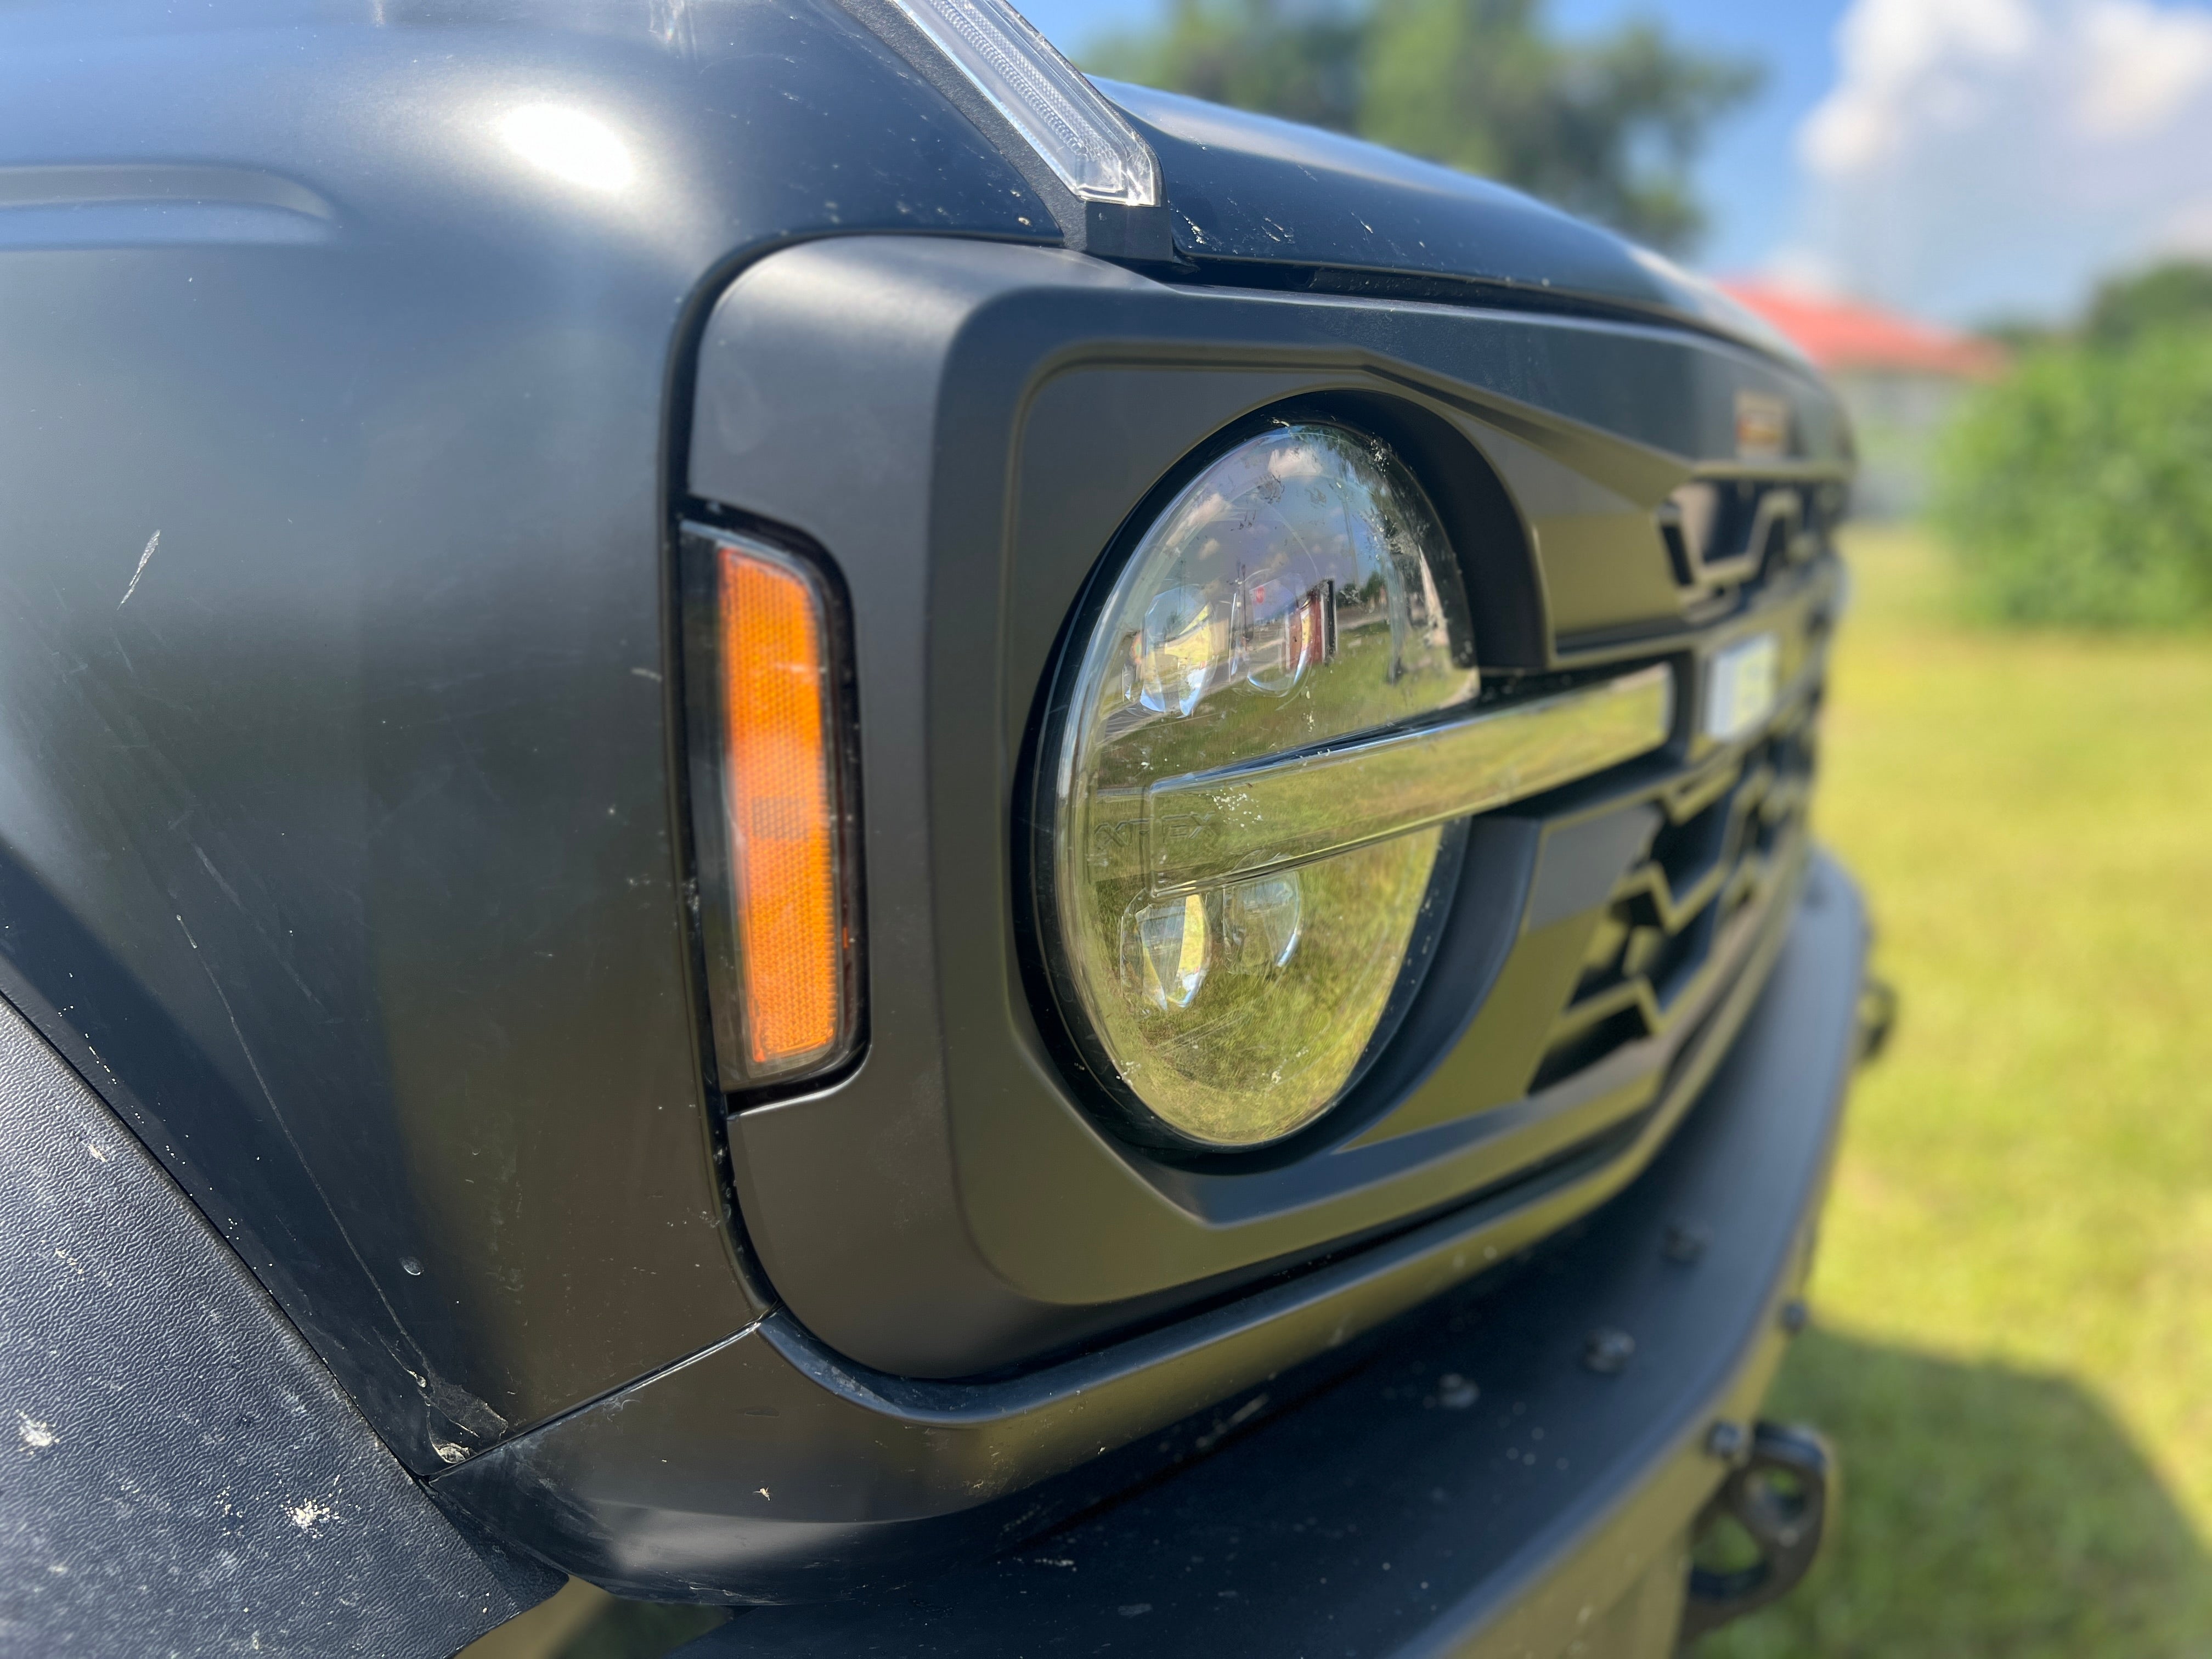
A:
(1727, 539)
(1723, 837)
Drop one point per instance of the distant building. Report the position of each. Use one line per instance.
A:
(1901, 379)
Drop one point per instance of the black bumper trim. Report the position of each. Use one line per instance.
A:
(1377, 1518)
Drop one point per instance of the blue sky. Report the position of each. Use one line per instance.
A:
(1962, 159)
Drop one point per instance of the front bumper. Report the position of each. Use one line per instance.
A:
(1389, 1514)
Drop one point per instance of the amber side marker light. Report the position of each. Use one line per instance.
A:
(782, 973)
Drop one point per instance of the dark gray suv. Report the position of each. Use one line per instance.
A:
(799, 818)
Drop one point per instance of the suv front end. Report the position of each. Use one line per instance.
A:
(950, 854)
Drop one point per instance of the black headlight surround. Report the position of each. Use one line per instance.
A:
(956, 1202)
(1456, 933)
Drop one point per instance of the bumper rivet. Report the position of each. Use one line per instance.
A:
(1725, 1440)
(1795, 1314)
(1608, 1351)
(1685, 1241)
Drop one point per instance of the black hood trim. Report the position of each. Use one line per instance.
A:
(1467, 292)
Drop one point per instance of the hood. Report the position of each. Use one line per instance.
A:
(1247, 187)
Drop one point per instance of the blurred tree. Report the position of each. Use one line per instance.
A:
(2022, 334)
(2177, 292)
(1301, 62)
(2076, 491)
(1607, 126)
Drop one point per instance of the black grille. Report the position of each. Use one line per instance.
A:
(1723, 838)
(1727, 537)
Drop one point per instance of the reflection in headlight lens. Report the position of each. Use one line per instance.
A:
(1300, 589)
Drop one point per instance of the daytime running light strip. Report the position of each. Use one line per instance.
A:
(1081, 136)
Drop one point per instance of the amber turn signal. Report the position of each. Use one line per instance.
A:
(784, 846)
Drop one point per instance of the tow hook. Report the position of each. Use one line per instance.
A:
(1781, 1496)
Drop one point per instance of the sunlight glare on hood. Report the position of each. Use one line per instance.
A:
(568, 144)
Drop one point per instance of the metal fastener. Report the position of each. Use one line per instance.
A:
(1685, 1241)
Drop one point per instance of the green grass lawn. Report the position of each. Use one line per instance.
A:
(2013, 1341)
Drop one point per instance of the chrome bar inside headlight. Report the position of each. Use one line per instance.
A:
(1238, 822)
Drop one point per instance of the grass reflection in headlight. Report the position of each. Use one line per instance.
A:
(1271, 1032)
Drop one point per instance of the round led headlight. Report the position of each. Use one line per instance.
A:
(1299, 590)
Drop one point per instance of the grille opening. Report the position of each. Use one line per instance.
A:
(1603, 965)
(1682, 955)
(1588, 1047)
(1711, 866)
(1727, 537)
(1678, 550)
(1686, 853)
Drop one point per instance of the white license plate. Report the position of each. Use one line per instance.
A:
(1741, 688)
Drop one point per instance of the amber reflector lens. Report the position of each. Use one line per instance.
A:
(782, 803)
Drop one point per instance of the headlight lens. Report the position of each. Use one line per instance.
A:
(1299, 590)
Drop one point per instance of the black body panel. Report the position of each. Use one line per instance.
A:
(665, 1482)
(340, 853)
(183, 1476)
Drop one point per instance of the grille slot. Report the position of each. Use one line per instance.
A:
(1727, 537)
(1726, 837)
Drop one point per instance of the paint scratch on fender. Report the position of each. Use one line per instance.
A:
(152, 542)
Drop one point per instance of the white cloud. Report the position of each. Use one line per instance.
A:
(1909, 53)
(1985, 155)
(2143, 66)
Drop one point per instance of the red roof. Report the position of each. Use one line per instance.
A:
(1839, 334)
